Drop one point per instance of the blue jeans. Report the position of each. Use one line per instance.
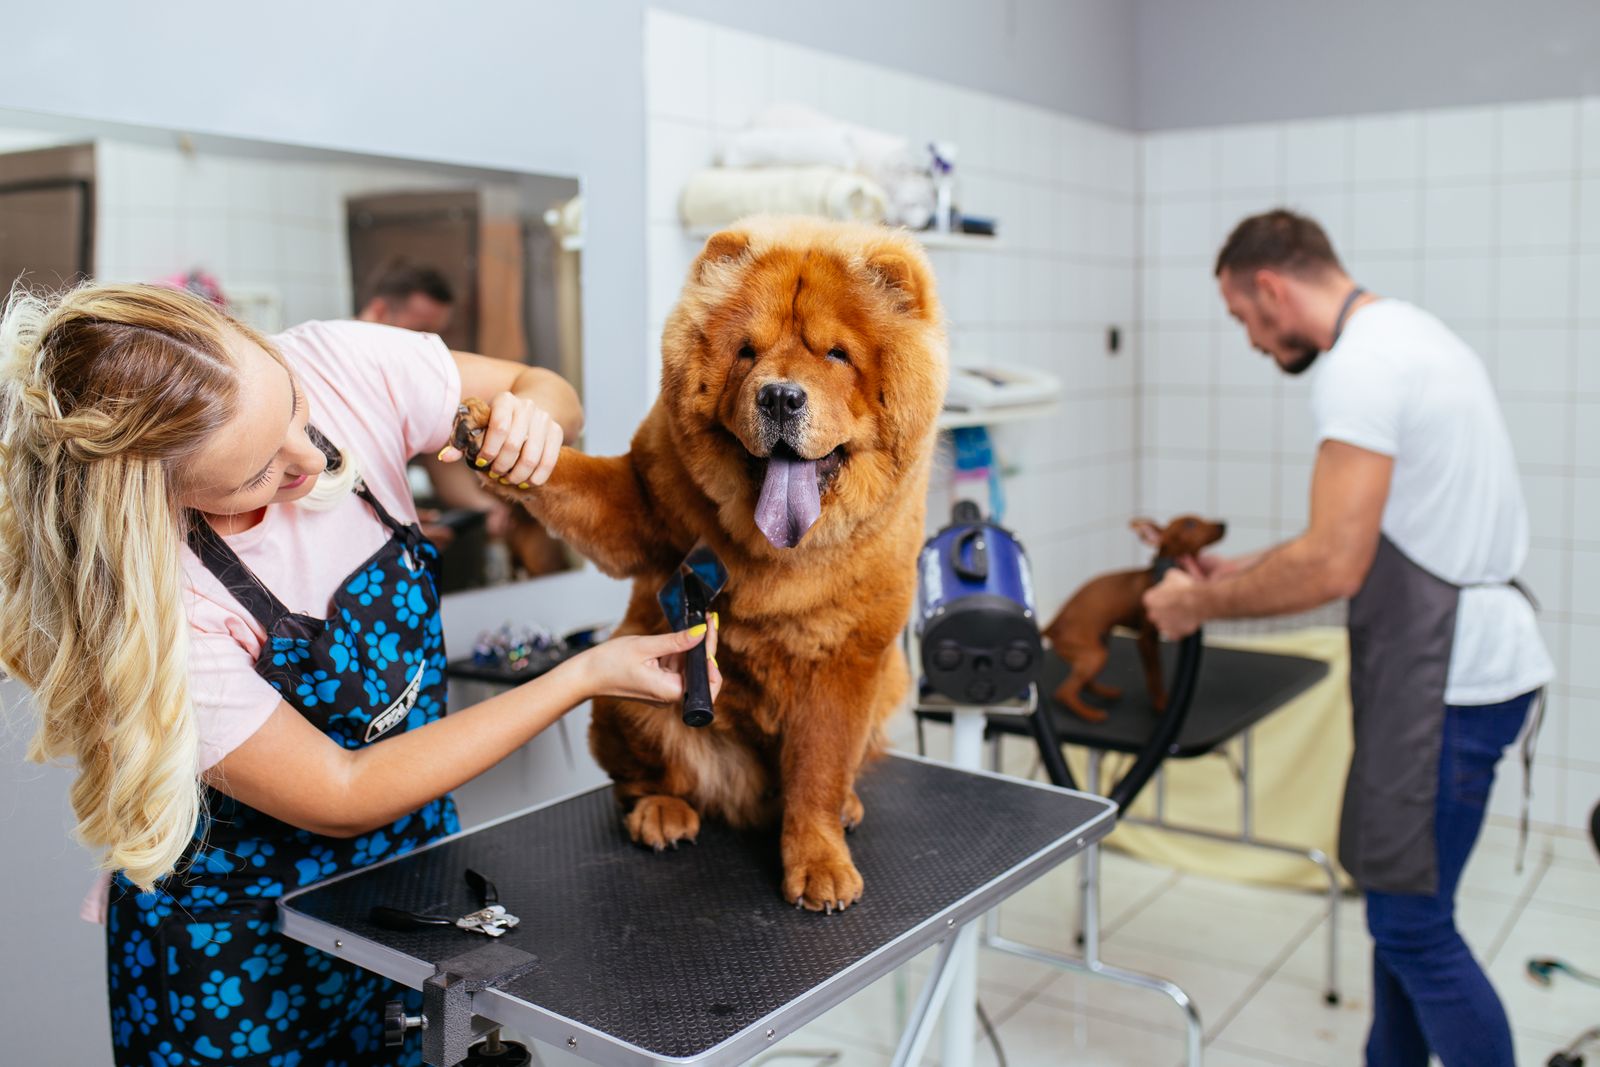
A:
(1428, 993)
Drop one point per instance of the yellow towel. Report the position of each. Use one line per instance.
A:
(1301, 753)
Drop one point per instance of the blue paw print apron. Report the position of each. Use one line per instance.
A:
(197, 973)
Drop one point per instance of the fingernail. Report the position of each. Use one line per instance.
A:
(697, 631)
(714, 662)
(481, 462)
(442, 451)
(714, 620)
(522, 485)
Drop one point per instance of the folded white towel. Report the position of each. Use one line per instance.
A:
(794, 135)
(721, 195)
(773, 146)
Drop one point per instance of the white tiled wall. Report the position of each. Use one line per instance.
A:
(255, 222)
(1490, 218)
(1062, 272)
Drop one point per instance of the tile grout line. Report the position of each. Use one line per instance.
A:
(1519, 906)
(1260, 981)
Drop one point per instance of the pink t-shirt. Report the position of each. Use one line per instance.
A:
(383, 395)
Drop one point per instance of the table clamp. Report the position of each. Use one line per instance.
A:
(446, 1019)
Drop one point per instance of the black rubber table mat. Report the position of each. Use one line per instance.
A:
(1236, 690)
(676, 953)
(540, 663)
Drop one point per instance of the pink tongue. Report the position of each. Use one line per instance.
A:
(790, 501)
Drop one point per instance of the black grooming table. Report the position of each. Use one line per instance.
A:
(540, 663)
(1236, 690)
(692, 955)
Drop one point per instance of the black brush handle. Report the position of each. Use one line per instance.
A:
(697, 680)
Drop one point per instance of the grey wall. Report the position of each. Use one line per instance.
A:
(1075, 56)
(1212, 62)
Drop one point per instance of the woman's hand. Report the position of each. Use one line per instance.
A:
(520, 445)
(648, 667)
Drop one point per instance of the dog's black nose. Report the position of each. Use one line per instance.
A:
(781, 400)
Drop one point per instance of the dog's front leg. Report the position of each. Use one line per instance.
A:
(594, 503)
(823, 745)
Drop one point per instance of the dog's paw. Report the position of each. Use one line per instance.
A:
(1104, 692)
(472, 419)
(661, 821)
(825, 884)
(853, 812)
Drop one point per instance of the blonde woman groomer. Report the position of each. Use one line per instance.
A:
(212, 580)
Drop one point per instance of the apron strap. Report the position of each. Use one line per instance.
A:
(335, 459)
(222, 561)
(1530, 739)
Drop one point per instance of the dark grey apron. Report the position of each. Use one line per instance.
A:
(1402, 629)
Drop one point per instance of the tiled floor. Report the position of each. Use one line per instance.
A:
(1252, 959)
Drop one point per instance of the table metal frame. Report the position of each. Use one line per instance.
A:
(953, 928)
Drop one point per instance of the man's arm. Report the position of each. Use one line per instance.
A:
(1349, 487)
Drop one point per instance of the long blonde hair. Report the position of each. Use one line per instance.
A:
(105, 391)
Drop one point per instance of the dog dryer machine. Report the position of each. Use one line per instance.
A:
(975, 619)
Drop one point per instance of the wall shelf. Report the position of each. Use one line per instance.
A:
(966, 242)
(950, 419)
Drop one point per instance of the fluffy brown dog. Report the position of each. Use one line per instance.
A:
(802, 371)
(1082, 627)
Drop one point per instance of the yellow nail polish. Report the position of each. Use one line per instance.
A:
(697, 631)
(714, 620)
(481, 462)
(442, 451)
(522, 485)
(714, 662)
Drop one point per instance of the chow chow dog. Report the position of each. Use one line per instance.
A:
(802, 370)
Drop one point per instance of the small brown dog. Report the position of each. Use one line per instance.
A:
(1081, 628)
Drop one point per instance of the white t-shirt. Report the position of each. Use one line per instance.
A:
(1399, 382)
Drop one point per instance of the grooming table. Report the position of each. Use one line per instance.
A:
(692, 956)
(1215, 697)
(1236, 689)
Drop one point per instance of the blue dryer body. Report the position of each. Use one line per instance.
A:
(976, 623)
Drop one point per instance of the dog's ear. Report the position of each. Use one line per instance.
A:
(904, 279)
(724, 246)
(1149, 531)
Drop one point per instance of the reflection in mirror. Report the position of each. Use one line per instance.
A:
(281, 235)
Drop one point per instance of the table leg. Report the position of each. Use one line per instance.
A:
(935, 994)
(961, 1007)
